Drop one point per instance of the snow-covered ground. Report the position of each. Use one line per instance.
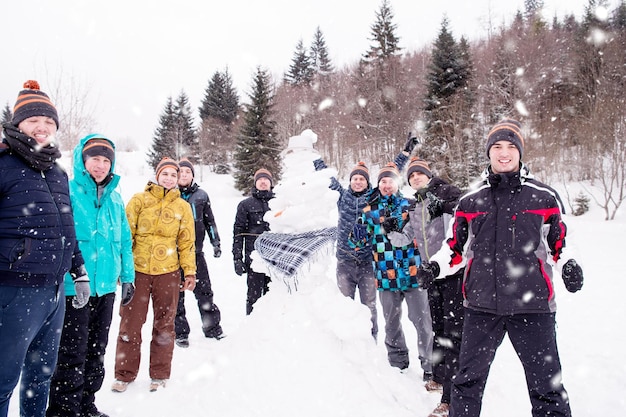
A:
(309, 353)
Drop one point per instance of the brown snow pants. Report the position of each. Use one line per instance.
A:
(164, 290)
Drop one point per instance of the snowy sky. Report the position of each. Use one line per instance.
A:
(130, 55)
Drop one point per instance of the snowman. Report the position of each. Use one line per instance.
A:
(302, 217)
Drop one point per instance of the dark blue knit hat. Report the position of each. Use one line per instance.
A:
(33, 102)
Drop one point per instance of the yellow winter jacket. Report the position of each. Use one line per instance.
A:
(162, 228)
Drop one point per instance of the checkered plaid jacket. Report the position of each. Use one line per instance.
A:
(395, 267)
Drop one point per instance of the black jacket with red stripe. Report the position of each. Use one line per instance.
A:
(509, 234)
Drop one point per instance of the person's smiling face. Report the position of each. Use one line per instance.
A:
(504, 157)
(41, 128)
(168, 178)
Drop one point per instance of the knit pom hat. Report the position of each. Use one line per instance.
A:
(166, 163)
(507, 129)
(99, 147)
(263, 173)
(361, 169)
(33, 102)
(418, 165)
(390, 170)
(184, 162)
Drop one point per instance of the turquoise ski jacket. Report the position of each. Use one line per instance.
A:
(102, 230)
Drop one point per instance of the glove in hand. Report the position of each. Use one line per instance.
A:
(319, 164)
(410, 143)
(83, 291)
(572, 276)
(359, 232)
(426, 274)
(128, 290)
(240, 267)
(217, 251)
(435, 205)
(390, 224)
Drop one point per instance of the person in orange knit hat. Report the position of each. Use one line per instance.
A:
(163, 234)
(38, 246)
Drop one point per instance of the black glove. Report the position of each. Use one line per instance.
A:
(240, 267)
(128, 290)
(426, 274)
(359, 232)
(435, 205)
(572, 276)
(319, 164)
(217, 251)
(410, 143)
(390, 224)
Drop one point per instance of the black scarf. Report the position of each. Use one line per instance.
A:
(41, 158)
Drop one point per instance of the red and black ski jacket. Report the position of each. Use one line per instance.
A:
(508, 233)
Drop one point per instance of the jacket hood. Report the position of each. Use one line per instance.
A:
(80, 172)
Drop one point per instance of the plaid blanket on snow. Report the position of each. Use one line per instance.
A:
(286, 252)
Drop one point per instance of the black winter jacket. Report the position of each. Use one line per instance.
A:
(249, 223)
(509, 233)
(37, 235)
(203, 218)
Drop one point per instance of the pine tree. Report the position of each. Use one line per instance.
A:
(163, 140)
(187, 144)
(218, 113)
(447, 105)
(175, 136)
(257, 144)
(220, 99)
(320, 61)
(7, 114)
(300, 71)
(386, 43)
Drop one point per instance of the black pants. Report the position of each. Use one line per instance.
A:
(533, 337)
(80, 366)
(209, 312)
(446, 309)
(258, 285)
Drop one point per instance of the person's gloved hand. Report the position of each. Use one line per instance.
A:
(410, 143)
(217, 251)
(240, 267)
(390, 224)
(82, 290)
(435, 205)
(572, 276)
(359, 232)
(319, 164)
(128, 290)
(426, 274)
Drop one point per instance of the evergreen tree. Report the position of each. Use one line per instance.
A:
(386, 43)
(257, 144)
(163, 140)
(447, 109)
(300, 71)
(218, 113)
(7, 114)
(320, 61)
(220, 99)
(175, 136)
(187, 144)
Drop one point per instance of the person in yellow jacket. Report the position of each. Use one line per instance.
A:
(163, 234)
